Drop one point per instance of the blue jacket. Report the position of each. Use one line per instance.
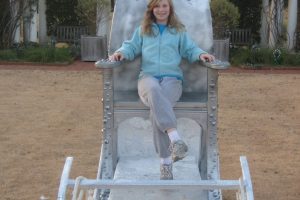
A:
(161, 53)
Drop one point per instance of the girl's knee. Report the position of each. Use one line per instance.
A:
(148, 84)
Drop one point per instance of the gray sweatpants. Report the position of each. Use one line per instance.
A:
(160, 96)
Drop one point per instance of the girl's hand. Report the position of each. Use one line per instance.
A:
(205, 57)
(117, 56)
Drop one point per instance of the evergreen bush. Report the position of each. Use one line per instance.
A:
(224, 14)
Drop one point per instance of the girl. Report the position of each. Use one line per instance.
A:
(162, 41)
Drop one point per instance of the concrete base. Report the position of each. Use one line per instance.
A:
(138, 161)
(148, 169)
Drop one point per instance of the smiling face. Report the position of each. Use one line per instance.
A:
(161, 11)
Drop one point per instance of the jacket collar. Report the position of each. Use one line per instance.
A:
(156, 29)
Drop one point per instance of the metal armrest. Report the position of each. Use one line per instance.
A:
(217, 64)
(105, 63)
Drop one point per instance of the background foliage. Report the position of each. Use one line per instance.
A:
(87, 11)
(35, 53)
(259, 57)
(224, 14)
(74, 13)
(62, 13)
(4, 17)
(250, 15)
(15, 14)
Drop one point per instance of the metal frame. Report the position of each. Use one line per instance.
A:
(202, 110)
(205, 116)
(210, 156)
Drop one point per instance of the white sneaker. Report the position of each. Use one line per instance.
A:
(166, 172)
(179, 150)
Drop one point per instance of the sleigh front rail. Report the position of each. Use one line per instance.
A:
(243, 186)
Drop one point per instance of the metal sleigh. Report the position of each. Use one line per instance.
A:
(130, 171)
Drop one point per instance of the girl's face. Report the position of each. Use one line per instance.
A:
(162, 11)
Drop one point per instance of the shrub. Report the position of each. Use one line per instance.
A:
(37, 54)
(263, 56)
(63, 55)
(8, 55)
(225, 15)
(292, 59)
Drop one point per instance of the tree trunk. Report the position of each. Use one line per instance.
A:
(272, 25)
(103, 20)
(42, 22)
(292, 23)
(275, 22)
(264, 24)
(298, 28)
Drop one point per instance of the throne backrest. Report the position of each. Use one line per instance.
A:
(194, 14)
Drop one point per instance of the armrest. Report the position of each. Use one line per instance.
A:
(217, 64)
(104, 64)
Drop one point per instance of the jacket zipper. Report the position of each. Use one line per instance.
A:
(159, 49)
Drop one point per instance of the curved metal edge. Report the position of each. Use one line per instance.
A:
(64, 179)
(104, 64)
(99, 173)
(247, 178)
(217, 64)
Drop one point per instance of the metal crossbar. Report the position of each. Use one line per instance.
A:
(243, 186)
(157, 184)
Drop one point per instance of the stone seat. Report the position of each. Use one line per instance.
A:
(190, 100)
(133, 168)
(138, 160)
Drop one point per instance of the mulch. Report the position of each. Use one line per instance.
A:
(78, 65)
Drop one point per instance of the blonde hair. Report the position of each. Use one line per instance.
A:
(149, 18)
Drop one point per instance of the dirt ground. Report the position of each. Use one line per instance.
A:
(47, 115)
